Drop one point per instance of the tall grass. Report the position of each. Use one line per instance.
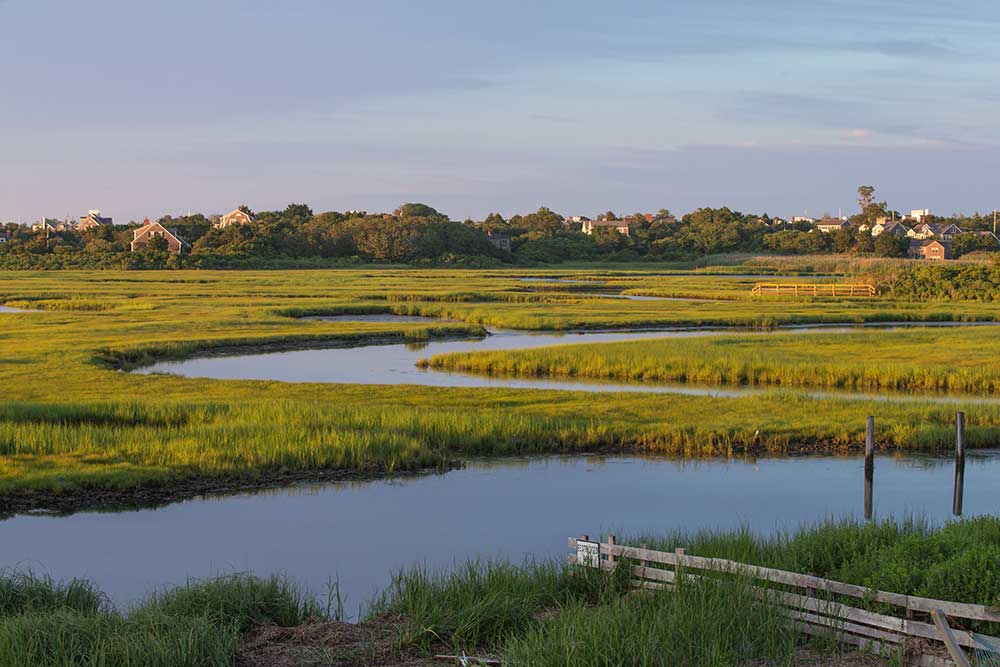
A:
(539, 613)
(922, 359)
(27, 593)
(71, 424)
(706, 623)
(195, 625)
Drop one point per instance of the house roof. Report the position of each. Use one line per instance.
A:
(96, 218)
(239, 211)
(150, 226)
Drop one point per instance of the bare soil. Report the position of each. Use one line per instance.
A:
(321, 643)
(324, 643)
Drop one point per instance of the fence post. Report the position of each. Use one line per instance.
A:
(611, 557)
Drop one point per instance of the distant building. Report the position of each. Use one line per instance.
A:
(577, 219)
(499, 241)
(47, 225)
(897, 229)
(932, 250)
(828, 225)
(152, 230)
(92, 220)
(918, 214)
(620, 226)
(4, 236)
(803, 218)
(929, 230)
(239, 216)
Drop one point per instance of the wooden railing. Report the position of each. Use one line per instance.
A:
(924, 626)
(814, 289)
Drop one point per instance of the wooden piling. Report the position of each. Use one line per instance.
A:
(959, 491)
(869, 466)
(870, 438)
(960, 434)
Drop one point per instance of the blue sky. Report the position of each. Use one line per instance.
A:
(143, 108)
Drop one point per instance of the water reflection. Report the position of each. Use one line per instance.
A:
(514, 508)
(396, 363)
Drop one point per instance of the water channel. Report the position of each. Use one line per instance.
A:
(509, 508)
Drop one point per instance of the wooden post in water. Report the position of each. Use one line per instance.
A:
(959, 489)
(960, 434)
(869, 465)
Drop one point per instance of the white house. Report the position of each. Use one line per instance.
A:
(620, 226)
(239, 216)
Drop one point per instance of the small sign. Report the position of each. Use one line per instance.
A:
(588, 554)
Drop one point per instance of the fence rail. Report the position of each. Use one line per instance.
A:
(814, 289)
(815, 605)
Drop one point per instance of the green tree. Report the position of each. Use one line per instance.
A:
(866, 196)
(417, 210)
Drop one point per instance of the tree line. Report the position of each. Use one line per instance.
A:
(419, 234)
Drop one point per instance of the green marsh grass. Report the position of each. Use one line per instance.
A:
(70, 423)
(918, 359)
(196, 625)
(538, 613)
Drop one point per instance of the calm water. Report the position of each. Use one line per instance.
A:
(396, 363)
(516, 509)
(5, 309)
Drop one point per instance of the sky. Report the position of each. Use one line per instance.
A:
(143, 108)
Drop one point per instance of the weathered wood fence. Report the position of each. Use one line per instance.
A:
(814, 289)
(816, 606)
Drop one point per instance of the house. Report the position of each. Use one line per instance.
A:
(918, 214)
(152, 230)
(620, 226)
(4, 236)
(890, 227)
(47, 225)
(802, 218)
(929, 230)
(499, 241)
(92, 220)
(576, 219)
(932, 249)
(827, 225)
(239, 216)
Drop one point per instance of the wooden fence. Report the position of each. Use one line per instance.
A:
(816, 606)
(814, 289)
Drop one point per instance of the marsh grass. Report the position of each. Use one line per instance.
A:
(921, 359)
(69, 423)
(26, 593)
(195, 625)
(707, 622)
(554, 614)
(482, 604)
(538, 613)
